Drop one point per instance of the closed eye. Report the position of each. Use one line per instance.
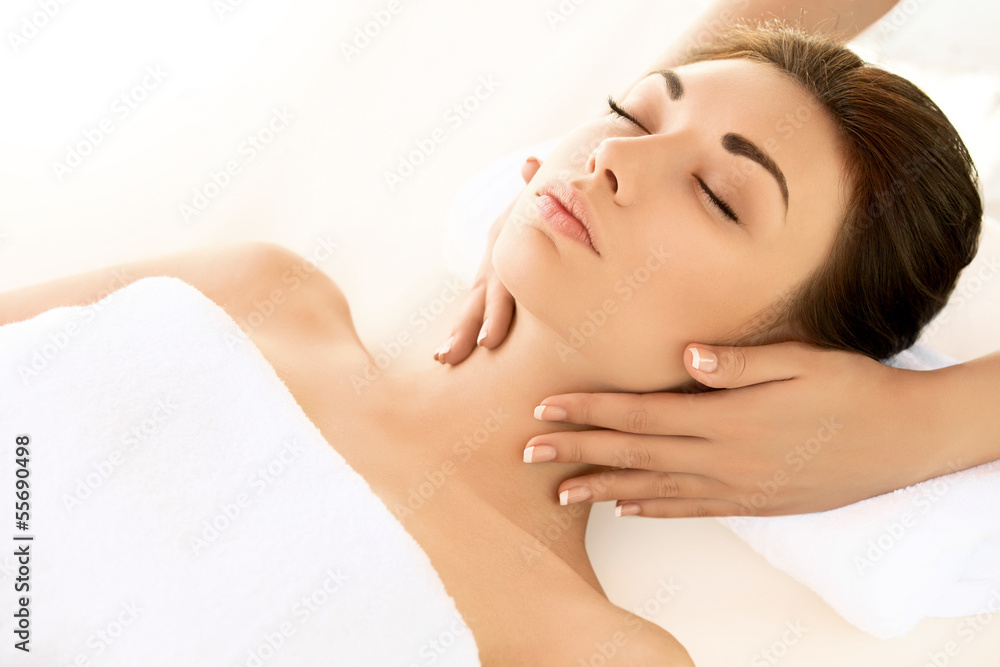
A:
(718, 203)
(714, 200)
(617, 110)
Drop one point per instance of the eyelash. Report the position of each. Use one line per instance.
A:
(714, 200)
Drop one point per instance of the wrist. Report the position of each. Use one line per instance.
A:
(946, 395)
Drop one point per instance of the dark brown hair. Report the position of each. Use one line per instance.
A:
(914, 212)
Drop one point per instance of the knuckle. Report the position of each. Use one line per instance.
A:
(736, 363)
(570, 452)
(637, 420)
(665, 486)
(582, 405)
(701, 511)
(634, 456)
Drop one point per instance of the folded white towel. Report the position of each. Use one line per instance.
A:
(932, 549)
(184, 509)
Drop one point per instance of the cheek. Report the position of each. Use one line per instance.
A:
(674, 298)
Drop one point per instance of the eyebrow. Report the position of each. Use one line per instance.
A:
(674, 86)
(736, 144)
(739, 145)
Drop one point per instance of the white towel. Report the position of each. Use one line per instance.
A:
(184, 509)
(932, 549)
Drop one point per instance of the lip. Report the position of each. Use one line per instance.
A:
(567, 212)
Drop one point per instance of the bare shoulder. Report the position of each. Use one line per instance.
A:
(257, 283)
(655, 646)
(284, 293)
(611, 636)
(640, 642)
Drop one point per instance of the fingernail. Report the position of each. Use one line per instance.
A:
(550, 413)
(703, 360)
(483, 332)
(531, 159)
(539, 453)
(627, 509)
(445, 347)
(574, 495)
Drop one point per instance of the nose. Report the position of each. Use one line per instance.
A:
(607, 163)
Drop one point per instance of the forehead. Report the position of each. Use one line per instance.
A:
(772, 110)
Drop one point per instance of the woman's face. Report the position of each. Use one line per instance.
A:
(666, 264)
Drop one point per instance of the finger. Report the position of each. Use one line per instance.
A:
(620, 450)
(680, 507)
(462, 341)
(498, 313)
(530, 168)
(664, 413)
(614, 484)
(727, 367)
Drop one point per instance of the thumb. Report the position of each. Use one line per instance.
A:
(530, 168)
(728, 367)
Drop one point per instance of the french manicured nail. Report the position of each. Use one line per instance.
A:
(627, 509)
(550, 413)
(574, 495)
(539, 453)
(482, 332)
(703, 360)
(445, 347)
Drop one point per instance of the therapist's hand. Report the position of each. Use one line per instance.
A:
(795, 429)
(489, 307)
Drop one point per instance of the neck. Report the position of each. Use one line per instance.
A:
(482, 409)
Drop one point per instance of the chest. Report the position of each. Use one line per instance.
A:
(502, 579)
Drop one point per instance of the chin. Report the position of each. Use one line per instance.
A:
(523, 261)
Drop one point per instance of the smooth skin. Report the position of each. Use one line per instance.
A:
(479, 526)
(797, 428)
